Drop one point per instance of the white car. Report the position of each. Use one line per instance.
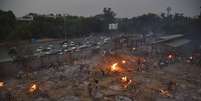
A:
(99, 43)
(106, 40)
(64, 45)
(47, 53)
(49, 48)
(67, 50)
(97, 47)
(50, 45)
(60, 53)
(73, 48)
(83, 46)
(39, 49)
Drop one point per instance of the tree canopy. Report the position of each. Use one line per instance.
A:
(54, 26)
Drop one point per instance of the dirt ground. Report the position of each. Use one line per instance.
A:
(122, 76)
(175, 82)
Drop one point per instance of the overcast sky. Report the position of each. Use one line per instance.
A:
(123, 8)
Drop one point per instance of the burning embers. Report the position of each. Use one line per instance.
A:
(168, 90)
(165, 93)
(125, 81)
(115, 68)
(123, 61)
(33, 88)
(170, 56)
(1, 84)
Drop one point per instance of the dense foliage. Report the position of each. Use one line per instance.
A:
(76, 26)
(7, 24)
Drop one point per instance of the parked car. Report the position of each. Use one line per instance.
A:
(65, 45)
(39, 49)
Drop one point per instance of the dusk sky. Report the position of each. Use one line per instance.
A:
(123, 8)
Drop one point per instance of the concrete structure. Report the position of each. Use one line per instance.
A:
(171, 43)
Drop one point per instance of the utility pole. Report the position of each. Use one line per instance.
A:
(200, 12)
(168, 11)
(65, 34)
(168, 18)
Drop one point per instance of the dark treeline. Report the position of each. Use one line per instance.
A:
(76, 26)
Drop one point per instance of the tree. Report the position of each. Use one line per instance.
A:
(168, 11)
(77, 26)
(109, 15)
(7, 24)
(23, 31)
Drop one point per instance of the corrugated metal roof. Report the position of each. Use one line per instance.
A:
(178, 43)
(169, 37)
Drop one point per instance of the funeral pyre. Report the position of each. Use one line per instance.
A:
(119, 77)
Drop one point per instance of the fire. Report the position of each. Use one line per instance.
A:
(170, 56)
(1, 84)
(165, 93)
(123, 61)
(33, 88)
(114, 67)
(125, 81)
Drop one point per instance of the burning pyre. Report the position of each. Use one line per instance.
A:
(170, 56)
(134, 48)
(165, 93)
(126, 82)
(123, 61)
(114, 67)
(33, 88)
(1, 84)
(117, 67)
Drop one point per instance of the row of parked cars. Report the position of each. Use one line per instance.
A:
(45, 50)
(69, 46)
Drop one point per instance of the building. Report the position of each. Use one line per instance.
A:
(26, 18)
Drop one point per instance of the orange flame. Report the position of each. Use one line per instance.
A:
(126, 81)
(114, 67)
(1, 84)
(33, 88)
(165, 93)
(123, 61)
